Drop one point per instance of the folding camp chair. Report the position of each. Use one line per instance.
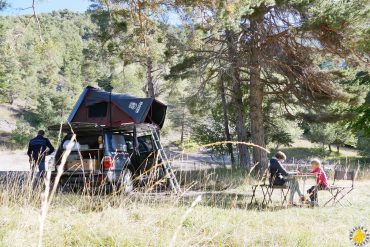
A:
(284, 191)
(338, 192)
(263, 186)
(267, 189)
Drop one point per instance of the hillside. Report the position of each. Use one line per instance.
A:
(9, 114)
(42, 72)
(40, 81)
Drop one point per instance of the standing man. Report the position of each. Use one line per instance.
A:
(38, 148)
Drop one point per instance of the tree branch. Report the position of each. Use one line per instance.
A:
(37, 21)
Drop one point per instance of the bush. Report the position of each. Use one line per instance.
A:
(210, 133)
(363, 144)
(21, 135)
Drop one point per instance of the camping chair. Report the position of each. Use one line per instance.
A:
(267, 189)
(263, 186)
(339, 192)
(284, 191)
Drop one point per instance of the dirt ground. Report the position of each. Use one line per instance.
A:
(18, 160)
(13, 161)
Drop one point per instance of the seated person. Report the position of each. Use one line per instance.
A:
(277, 173)
(321, 181)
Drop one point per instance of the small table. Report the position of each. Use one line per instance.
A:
(303, 176)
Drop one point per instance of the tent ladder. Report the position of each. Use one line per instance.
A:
(166, 163)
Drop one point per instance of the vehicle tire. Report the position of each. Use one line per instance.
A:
(126, 183)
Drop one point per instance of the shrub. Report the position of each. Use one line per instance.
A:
(21, 134)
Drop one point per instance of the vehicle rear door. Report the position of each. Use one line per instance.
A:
(115, 148)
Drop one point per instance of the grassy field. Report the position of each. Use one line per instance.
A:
(219, 219)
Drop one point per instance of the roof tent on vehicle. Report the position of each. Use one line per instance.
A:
(99, 107)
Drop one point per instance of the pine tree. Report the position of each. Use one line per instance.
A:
(3, 4)
(144, 41)
(279, 46)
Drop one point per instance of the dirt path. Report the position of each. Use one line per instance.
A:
(13, 161)
(18, 161)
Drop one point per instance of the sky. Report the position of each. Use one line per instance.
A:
(19, 7)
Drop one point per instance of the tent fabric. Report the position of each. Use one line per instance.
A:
(77, 105)
(138, 110)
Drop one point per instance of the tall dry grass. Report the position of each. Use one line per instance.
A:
(211, 210)
(156, 219)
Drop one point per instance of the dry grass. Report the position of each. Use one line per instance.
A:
(152, 220)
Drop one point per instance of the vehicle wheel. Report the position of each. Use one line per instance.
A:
(126, 184)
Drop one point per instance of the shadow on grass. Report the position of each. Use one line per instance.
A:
(212, 199)
(214, 179)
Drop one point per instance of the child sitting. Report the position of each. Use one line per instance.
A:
(321, 181)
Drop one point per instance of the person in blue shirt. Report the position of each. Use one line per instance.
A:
(38, 148)
(279, 176)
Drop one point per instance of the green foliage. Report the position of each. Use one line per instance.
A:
(184, 69)
(321, 133)
(329, 133)
(283, 132)
(363, 143)
(45, 78)
(111, 48)
(361, 121)
(27, 64)
(211, 131)
(52, 107)
(130, 36)
(304, 152)
(22, 134)
(3, 4)
(279, 130)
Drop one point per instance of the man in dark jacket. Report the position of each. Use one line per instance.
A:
(279, 176)
(38, 148)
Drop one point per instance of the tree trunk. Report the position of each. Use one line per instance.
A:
(329, 148)
(256, 98)
(182, 122)
(149, 77)
(226, 120)
(241, 132)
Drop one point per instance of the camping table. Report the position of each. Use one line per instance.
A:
(303, 176)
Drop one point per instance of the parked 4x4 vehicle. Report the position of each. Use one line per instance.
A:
(121, 157)
(114, 140)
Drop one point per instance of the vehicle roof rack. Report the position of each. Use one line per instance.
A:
(76, 126)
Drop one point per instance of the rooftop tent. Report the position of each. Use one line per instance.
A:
(113, 109)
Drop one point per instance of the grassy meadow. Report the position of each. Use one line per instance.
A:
(220, 218)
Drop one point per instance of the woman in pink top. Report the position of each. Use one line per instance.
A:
(321, 181)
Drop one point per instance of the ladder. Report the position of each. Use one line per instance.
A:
(166, 163)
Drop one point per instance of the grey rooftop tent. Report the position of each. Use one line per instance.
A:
(103, 108)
